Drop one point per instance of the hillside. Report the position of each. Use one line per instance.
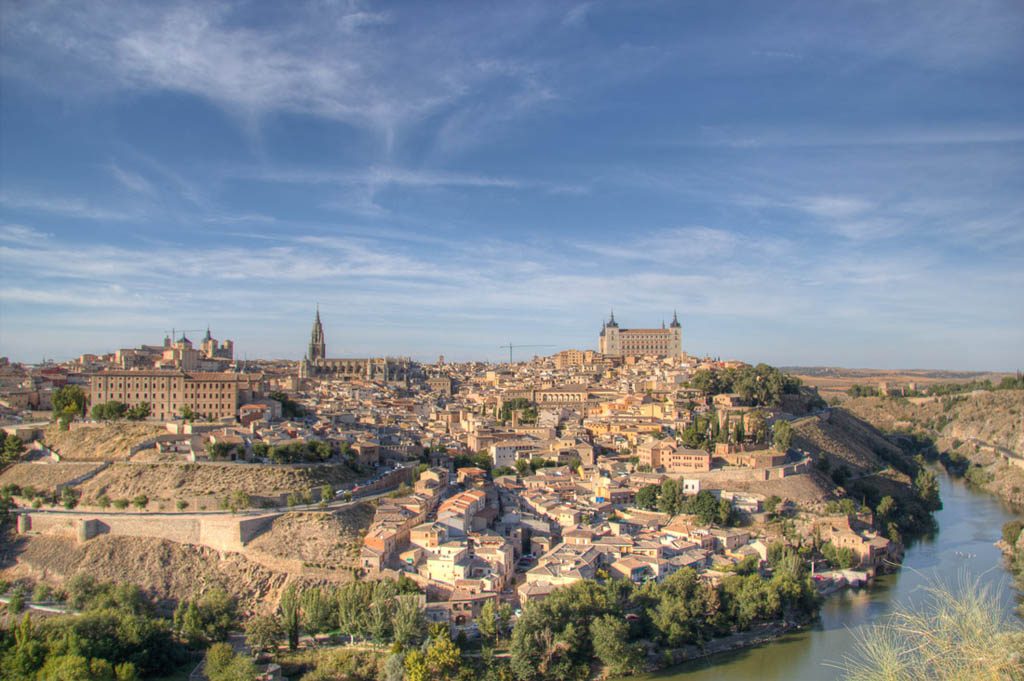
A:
(110, 442)
(318, 538)
(174, 481)
(164, 569)
(170, 571)
(959, 425)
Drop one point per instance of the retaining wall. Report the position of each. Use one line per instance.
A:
(220, 532)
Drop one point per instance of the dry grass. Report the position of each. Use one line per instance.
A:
(960, 632)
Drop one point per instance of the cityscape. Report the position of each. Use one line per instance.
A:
(538, 341)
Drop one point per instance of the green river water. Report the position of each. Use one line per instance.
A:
(970, 523)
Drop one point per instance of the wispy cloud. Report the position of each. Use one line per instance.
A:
(131, 180)
(70, 207)
(21, 235)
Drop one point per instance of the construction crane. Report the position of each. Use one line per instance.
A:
(510, 347)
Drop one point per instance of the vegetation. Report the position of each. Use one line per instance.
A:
(782, 435)
(109, 411)
(959, 632)
(301, 452)
(559, 636)
(669, 498)
(206, 620)
(760, 385)
(115, 638)
(289, 408)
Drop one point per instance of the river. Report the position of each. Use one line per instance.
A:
(970, 523)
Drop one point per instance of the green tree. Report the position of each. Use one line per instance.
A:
(610, 636)
(647, 497)
(263, 632)
(141, 501)
(291, 614)
(13, 448)
(488, 627)
(217, 610)
(782, 436)
(140, 411)
(319, 613)
(408, 622)
(70, 397)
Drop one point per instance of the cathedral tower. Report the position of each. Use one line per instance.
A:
(317, 348)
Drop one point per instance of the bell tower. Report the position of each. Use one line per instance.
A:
(317, 348)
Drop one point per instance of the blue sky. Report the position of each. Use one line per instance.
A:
(806, 182)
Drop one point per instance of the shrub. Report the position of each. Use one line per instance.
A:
(141, 501)
(121, 504)
(181, 505)
(1011, 532)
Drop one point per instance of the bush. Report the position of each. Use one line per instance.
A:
(1011, 532)
(141, 501)
(121, 504)
(16, 602)
(42, 593)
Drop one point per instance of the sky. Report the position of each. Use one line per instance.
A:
(806, 183)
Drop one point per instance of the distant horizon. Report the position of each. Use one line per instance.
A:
(834, 183)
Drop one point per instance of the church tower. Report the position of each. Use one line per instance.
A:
(317, 348)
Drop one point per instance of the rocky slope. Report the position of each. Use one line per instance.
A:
(960, 426)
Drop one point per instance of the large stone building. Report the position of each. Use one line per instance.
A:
(317, 365)
(213, 395)
(663, 342)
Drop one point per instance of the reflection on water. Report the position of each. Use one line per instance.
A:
(969, 524)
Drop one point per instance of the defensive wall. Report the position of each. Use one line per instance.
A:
(219, 532)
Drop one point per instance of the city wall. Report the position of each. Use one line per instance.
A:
(219, 532)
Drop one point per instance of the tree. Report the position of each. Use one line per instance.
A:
(263, 632)
(504, 618)
(141, 501)
(109, 411)
(442, 659)
(610, 638)
(488, 627)
(217, 611)
(772, 503)
(70, 397)
(782, 435)
(13, 447)
(926, 484)
(1011, 532)
(647, 497)
(290, 615)
(140, 411)
(223, 665)
(319, 613)
(408, 620)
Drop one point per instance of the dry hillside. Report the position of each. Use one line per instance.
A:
(993, 417)
(844, 439)
(110, 442)
(166, 570)
(318, 538)
(44, 477)
(172, 481)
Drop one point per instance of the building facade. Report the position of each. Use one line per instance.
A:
(664, 342)
(213, 395)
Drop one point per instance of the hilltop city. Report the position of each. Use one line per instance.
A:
(484, 489)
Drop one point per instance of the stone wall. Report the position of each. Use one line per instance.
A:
(219, 532)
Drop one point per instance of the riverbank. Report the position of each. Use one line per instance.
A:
(969, 523)
(766, 632)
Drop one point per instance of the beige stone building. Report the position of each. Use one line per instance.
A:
(213, 395)
(663, 342)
